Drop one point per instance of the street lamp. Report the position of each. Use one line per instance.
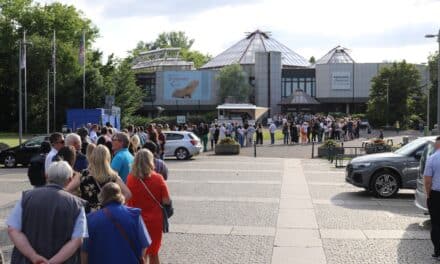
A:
(438, 77)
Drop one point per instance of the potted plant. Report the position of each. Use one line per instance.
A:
(330, 145)
(227, 146)
(377, 145)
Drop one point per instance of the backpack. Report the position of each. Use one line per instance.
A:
(36, 171)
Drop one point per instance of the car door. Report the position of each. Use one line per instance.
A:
(28, 149)
(172, 143)
(411, 170)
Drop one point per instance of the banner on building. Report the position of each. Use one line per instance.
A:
(187, 85)
(341, 80)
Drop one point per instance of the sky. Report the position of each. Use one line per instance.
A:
(373, 30)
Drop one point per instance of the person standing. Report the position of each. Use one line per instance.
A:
(285, 134)
(250, 135)
(259, 134)
(211, 135)
(222, 132)
(74, 140)
(117, 233)
(159, 165)
(148, 188)
(204, 133)
(123, 159)
(432, 190)
(56, 141)
(397, 125)
(162, 140)
(272, 129)
(48, 232)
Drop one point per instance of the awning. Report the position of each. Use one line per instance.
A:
(255, 111)
(299, 97)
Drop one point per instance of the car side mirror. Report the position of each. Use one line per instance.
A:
(418, 155)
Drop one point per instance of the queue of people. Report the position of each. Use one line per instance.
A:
(103, 187)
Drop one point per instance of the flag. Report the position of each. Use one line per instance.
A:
(54, 51)
(23, 52)
(82, 52)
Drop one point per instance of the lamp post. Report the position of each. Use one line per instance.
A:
(388, 101)
(438, 77)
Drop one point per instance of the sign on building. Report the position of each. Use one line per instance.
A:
(341, 80)
(187, 85)
(181, 119)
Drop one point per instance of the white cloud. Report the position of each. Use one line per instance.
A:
(374, 30)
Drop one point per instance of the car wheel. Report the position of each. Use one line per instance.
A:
(385, 184)
(10, 161)
(182, 154)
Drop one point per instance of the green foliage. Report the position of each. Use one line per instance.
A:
(433, 74)
(359, 116)
(234, 83)
(228, 141)
(404, 93)
(330, 143)
(138, 120)
(312, 60)
(40, 21)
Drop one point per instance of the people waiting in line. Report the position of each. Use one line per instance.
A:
(35, 226)
(148, 189)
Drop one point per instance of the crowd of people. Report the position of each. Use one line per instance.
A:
(98, 198)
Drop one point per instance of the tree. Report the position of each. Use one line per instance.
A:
(402, 81)
(312, 60)
(234, 83)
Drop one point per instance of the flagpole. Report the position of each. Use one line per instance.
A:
(54, 82)
(48, 103)
(25, 83)
(84, 70)
(20, 128)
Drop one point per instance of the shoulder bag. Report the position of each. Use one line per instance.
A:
(123, 233)
(167, 209)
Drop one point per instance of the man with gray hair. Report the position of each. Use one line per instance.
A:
(74, 140)
(123, 159)
(48, 224)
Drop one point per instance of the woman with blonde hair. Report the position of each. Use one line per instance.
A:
(89, 150)
(97, 175)
(135, 144)
(148, 189)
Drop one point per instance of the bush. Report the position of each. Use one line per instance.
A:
(359, 116)
(330, 143)
(137, 120)
(228, 141)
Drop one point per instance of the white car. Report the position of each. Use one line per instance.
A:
(182, 144)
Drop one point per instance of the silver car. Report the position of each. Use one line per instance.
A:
(420, 196)
(385, 173)
(181, 144)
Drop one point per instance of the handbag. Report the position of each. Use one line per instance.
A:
(123, 233)
(167, 209)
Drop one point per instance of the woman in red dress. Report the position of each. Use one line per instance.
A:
(142, 177)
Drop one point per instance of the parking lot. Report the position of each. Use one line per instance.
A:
(274, 210)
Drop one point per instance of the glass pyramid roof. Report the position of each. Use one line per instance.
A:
(243, 52)
(336, 55)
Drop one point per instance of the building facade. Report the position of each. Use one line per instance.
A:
(336, 82)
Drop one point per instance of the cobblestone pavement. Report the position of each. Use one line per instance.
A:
(273, 210)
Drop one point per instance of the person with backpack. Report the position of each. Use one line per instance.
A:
(36, 170)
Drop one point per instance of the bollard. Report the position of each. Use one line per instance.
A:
(313, 150)
(255, 149)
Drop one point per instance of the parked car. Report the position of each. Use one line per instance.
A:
(420, 195)
(182, 144)
(23, 153)
(385, 173)
(364, 123)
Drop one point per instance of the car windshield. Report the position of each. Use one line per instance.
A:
(411, 147)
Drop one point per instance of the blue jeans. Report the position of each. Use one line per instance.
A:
(286, 138)
(272, 138)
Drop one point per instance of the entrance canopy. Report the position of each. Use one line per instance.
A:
(232, 113)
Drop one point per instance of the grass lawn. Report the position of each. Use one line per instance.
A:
(11, 139)
(266, 135)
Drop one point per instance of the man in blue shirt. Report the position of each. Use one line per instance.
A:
(432, 189)
(123, 159)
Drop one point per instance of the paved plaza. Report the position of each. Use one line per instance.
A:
(240, 209)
